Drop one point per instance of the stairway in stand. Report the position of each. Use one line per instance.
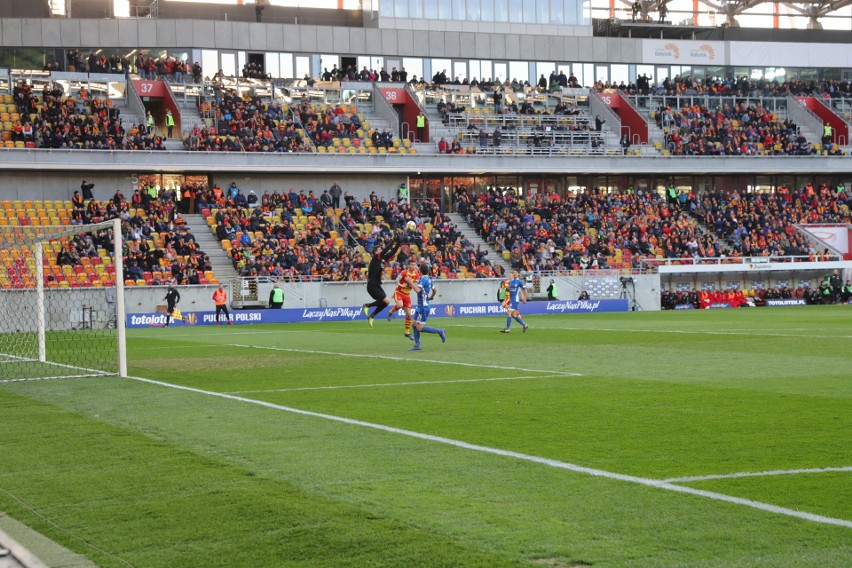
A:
(470, 234)
(223, 268)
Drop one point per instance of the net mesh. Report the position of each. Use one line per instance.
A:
(66, 327)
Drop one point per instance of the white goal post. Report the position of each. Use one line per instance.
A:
(61, 301)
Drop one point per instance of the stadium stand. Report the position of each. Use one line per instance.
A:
(595, 229)
(294, 236)
(158, 247)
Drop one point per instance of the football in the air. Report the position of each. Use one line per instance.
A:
(411, 226)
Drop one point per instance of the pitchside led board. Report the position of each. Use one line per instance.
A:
(298, 315)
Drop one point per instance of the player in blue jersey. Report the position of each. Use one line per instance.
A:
(424, 295)
(517, 292)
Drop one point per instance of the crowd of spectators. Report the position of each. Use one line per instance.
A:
(297, 235)
(764, 224)
(158, 247)
(588, 230)
(739, 87)
(248, 124)
(729, 130)
(595, 229)
(54, 120)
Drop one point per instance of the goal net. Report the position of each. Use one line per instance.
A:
(61, 302)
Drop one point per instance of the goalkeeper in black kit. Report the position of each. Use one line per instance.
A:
(375, 271)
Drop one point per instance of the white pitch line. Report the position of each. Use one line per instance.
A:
(61, 377)
(408, 384)
(757, 474)
(407, 359)
(656, 483)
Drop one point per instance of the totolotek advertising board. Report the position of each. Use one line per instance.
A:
(352, 313)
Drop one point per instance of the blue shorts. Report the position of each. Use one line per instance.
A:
(421, 313)
(513, 305)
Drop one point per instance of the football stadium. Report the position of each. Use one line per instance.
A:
(400, 283)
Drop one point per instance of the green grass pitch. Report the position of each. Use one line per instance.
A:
(706, 439)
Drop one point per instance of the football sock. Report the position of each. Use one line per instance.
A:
(427, 329)
(378, 309)
(519, 320)
(407, 324)
(508, 323)
(416, 333)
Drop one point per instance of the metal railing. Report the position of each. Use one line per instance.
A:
(650, 264)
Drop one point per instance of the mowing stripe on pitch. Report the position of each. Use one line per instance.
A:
(656, 483)
(674, 331)
(757, 474)
(408, 384)
(408, 359)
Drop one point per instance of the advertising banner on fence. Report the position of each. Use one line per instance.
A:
(295, 315)
(786, 302)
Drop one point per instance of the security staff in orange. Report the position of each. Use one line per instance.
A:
(220, 298)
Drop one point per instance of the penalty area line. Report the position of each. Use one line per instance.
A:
(655, 483)
(406, 384)
(757, 474)
(408, 359)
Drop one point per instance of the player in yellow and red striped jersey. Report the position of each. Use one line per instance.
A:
(406, 282)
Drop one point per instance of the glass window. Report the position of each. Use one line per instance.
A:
(287, 66)
(542, 11)
(474, 69)
(209, 62)
(588, 75)
(602, 73)
(573, 12)
(386, 8)
(413, 66)
(241, 60)
(529, 11)
(578, 74)
(303, 66)
(459, 12)
(272, 64)
(444, 65)
(516, 11)
(400, 8)
(445, 10)
(646, 70)
(557, 12)
(487, 11)
(459, 70)
(544, 68)
(229, 64)
(415, 8)
(328, 62)
(501, 11)
(485, 69)
(430, 8)
(585, 12)
(500, 70)
(473, 10)
(619, 74)
(519, 70)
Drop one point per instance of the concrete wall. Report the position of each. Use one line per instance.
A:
(56, 185)
(496, 43)
(84, 161)
(315, 294)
